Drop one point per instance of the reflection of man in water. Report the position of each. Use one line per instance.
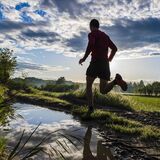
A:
(102, 152)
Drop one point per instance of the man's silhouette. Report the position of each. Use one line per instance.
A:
(98, 45)
(103, 153)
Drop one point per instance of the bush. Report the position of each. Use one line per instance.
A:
(17, 85)
(60, 87)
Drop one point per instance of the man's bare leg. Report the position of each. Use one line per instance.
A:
(89, 82)
(106, 86)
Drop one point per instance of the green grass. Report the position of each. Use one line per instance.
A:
(43, 100)
(119, 101)
(146, 103)
(120, 124)
(111, 99)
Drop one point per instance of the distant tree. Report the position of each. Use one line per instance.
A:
(141, 88)
(149, 89)
(130, 87)
(60, 80)
(141, 84)
(7, 64)
(135, 87)
(156, 88)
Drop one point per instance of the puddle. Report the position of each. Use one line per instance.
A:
(67, 136)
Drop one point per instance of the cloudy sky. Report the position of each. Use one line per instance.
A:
(50, 36)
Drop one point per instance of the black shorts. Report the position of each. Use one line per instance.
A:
(99, 68)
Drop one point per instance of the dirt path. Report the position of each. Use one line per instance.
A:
(147, 118)
(129, 148)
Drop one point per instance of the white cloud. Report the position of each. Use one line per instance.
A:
(139, 52)
(67, 26)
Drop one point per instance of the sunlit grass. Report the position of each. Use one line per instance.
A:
(111, 99)
(145, 132)
(120, 124)
(119, 101)
(41, 99)
(146, 103)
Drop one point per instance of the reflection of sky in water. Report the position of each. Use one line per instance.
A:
(34, 114)
(28, 116)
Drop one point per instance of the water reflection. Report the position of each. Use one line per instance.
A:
(103, 153)
(34, 114)
(91, 147)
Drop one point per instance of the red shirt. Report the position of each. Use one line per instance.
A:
(98, 44)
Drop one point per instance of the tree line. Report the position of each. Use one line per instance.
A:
(150, 89)
(8, 65)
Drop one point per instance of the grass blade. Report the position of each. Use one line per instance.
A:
(62, 155)
(70, 141)
(35, 148)
(12, 154)
(62, 145)
(28, 139)
(54, 150)
(34, 152)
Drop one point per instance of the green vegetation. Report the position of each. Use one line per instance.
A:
(7, 64)
(2, 145)
(43, 100)
(111, 99)
(60, 87)
(149, 89)
(119, 124)
(3, 118)
(146, 103)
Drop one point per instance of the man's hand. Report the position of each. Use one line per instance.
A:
(81, 61)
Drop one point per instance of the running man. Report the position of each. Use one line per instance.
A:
(98, 45)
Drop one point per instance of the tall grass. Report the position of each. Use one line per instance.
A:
(111, 99)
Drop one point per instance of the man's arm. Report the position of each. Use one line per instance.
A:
(113, 48)
(89, 48)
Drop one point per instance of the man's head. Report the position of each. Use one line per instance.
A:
(94, 24)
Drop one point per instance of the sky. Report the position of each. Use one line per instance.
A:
(49, 37)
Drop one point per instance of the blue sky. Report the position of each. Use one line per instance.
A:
(50, 36)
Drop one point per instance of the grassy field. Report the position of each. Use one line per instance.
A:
(146, 103)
